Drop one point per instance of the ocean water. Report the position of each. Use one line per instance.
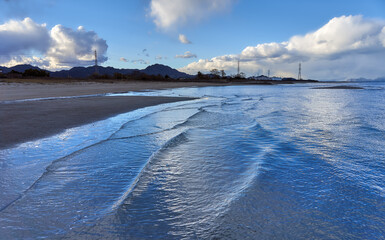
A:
(241, 162)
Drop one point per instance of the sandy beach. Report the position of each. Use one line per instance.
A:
(17, 90)
(30, 120)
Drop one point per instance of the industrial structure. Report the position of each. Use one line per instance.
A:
(96, 62)
(299, 72)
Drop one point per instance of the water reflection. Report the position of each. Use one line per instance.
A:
(33, 157)
(243, 162)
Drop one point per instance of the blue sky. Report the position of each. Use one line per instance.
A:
(137, 33)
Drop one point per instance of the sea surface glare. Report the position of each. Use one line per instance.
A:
(241, 162)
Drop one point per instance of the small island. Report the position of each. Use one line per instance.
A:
(339, 87)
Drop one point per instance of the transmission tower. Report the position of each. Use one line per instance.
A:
(96, 62)
(268, 73)
(299, 72)
(238, 68)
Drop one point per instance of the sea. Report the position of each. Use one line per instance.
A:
(239, 162)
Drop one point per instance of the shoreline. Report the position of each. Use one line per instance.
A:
(48, 88)
(23, 121)
(31, 120)
(21, 90)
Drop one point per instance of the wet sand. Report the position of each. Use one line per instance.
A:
(25, 121)
(28, 89)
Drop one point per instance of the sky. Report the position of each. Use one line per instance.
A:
(333, 39)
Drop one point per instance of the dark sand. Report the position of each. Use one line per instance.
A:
(25, 121)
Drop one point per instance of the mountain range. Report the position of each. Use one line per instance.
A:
(84, 72)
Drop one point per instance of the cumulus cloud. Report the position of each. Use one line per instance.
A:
(187, 54)
(345, 47)
(75, 47)
(168, 14)
(267, 50)
(60, 47)
(24, 36)
(340, 35)
(183, 39)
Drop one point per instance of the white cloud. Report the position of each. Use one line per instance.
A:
(23, 37)
(75, 47)
(339, 35)
(57, 48)
(183, 39)
(345, 47)
(169, 14)
(271, 50)
(187, 54)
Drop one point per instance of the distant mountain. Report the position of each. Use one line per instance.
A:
(18, 68)
(84, 72)
(159, 69)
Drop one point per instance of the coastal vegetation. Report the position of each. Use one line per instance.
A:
(155, 72)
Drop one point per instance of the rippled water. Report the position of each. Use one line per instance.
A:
(242, 162)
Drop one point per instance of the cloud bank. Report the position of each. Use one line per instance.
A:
(345, 47)
(168, 14)
(26, 42)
